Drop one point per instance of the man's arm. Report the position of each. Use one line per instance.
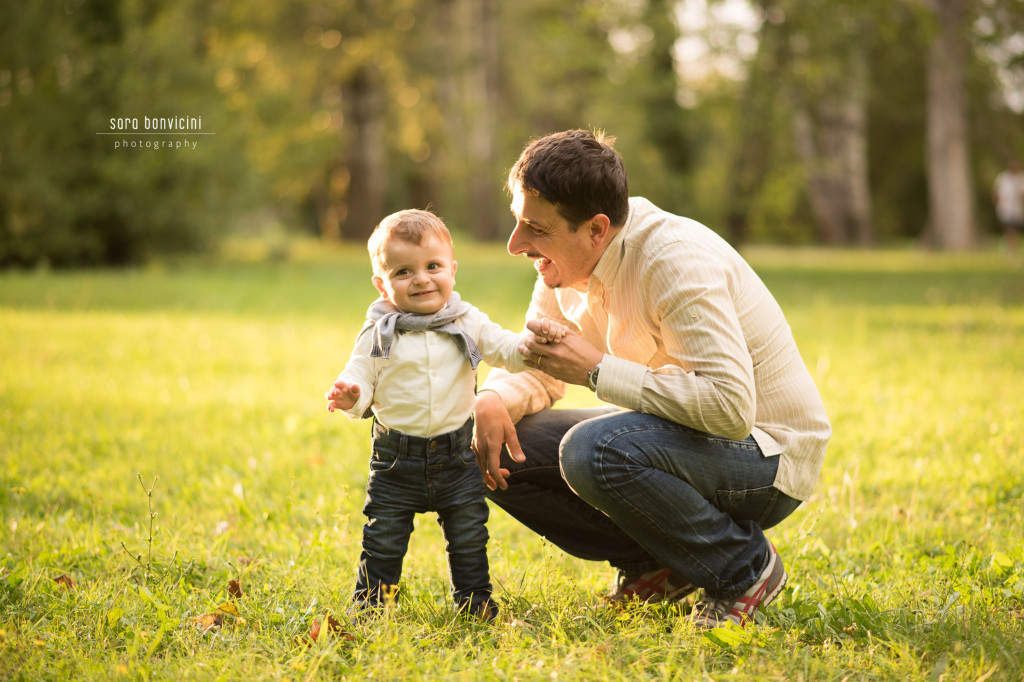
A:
(705, 379)
(505, 398)
(493, 429)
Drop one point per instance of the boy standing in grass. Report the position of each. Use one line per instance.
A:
(414, 367)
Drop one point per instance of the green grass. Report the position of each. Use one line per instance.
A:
(207, 379)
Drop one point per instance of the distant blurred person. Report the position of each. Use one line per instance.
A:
(1008, 195)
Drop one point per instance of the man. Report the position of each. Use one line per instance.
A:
(1008, 196)
(714, 429)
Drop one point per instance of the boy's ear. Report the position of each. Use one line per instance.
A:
(455, 266)
(378, 284)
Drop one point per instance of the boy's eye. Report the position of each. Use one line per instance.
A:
(402, 272)
(433, 266)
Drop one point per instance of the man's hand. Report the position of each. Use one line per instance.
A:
(492, 429)
(342, 396)
(569, 360)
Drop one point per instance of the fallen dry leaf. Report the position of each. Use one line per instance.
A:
(234, 589)
(208, 621)
(333, 627)
(228, 608)
(65, 581)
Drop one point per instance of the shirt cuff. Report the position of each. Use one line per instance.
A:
(621, 382)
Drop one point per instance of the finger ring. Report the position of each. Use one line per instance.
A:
(539, 358)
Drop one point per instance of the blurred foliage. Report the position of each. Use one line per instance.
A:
(326, 115)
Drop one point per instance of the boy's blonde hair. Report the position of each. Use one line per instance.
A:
(412, 226)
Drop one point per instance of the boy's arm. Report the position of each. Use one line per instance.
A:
(352, 392)
(501, 347)
(527, 392)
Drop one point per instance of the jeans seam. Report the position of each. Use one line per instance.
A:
(676, 428)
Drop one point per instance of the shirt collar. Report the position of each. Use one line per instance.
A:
(607, 269)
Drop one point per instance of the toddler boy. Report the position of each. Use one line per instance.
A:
(414, 367)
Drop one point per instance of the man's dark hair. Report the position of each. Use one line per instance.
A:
(579, 172)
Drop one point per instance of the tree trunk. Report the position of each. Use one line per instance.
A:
(822, 188)
(831, 140)
(855, 152)
(481, 30)
(366, 155)
(949, 174)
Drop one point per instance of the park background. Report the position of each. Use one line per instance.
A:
(175, 501)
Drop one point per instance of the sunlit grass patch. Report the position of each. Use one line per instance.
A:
(207, 379)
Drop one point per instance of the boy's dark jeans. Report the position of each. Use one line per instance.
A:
(411, 475)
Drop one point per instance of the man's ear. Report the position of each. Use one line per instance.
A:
(600, 230)
(378, 284)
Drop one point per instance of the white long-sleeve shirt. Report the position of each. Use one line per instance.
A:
(692, 335)
(427, 387)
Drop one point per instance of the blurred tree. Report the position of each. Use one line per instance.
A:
(329, 114)
(600, 64)
(840, 87)
(951, 203)
(809, 84)
(66, 196)
(829, 93)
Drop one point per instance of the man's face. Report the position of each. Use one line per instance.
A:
(562, 258)
(417, 279)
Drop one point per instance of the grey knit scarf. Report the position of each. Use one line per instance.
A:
(389, 320)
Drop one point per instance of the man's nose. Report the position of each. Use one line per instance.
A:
(517, 243)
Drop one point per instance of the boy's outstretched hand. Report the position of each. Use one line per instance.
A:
(549, 331)
(342, 396)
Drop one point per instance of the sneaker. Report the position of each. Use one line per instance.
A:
(714, 613)
(651, 587)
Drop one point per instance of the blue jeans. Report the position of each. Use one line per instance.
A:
(411, 475)
(642, 492)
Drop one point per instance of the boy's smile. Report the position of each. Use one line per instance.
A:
(417, 278)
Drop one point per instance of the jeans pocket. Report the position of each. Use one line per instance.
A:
(382, 460)
(764, 506)
(465, 458)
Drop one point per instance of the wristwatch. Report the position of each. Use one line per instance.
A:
(592, 377)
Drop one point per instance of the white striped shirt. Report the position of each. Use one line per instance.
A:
(692, 335)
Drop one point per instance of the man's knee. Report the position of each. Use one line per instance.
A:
(577, 455)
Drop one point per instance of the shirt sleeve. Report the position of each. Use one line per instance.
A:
(362, 370)
(529, 391)
(499, 346)
(709, 385)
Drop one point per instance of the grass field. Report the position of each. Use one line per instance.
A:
(163, 433)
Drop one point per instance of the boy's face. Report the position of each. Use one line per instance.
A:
(417, 279)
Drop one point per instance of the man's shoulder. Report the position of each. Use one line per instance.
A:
(651, 229)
